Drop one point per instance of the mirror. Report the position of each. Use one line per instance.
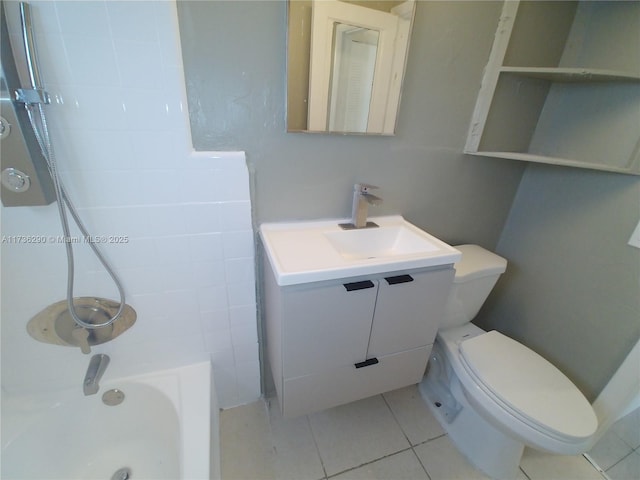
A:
(345, 64)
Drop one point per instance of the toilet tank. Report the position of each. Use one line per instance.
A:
(476, 274)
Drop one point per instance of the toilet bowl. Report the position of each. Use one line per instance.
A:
(493, 395)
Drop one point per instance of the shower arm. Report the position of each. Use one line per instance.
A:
(36, 94)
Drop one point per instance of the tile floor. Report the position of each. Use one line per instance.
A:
(388, 437)
(618, 451)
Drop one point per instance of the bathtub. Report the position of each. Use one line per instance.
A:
(165, 428)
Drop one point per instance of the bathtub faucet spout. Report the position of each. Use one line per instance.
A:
(97, 366)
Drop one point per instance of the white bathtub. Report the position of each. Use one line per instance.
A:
(166, 428)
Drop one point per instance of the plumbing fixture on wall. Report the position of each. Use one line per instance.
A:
(362, 198)
(25, 177)
(55, 325)
(86, 314)
(97, 366)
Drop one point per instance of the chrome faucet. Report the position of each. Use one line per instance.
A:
(97, 366)
(361, 201)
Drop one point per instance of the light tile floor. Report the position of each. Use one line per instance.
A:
(618, 451)
(387, 437)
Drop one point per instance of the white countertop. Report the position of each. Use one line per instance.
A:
(302, 252)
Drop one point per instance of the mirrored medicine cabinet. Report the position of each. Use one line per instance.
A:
(345, 64)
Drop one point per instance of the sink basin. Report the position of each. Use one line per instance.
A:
(303, 252)
(386, 241)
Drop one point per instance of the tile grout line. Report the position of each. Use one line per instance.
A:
(315, 443)
(420, 461)
(523, 472)
(370, 462)
(384, 399)
(410, 447)
(604, 472)
(597, 467)
(407, 437)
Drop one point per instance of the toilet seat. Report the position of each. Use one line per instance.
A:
(527, 386)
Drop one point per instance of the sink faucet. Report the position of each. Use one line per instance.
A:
(361, 201)
(97, 366)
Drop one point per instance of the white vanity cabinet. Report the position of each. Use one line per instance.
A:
(336, 341)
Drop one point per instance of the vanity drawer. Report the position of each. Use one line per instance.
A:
(310, 393)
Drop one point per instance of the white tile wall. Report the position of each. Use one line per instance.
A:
(120, 131)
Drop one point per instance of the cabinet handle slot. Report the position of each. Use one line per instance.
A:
(358, 285)
(399, 279)
(366, 363)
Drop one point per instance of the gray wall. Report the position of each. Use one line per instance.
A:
(571, 290)
(234, 55)
(572, 287)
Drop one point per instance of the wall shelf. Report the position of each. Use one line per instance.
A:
(573, 75)
(529, 157)
(562, 86)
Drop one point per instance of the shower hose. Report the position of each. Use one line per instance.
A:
(39, 124)
(34, 101)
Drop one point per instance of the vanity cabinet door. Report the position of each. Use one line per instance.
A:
(408, 311)
(326, 326)
(346, 384)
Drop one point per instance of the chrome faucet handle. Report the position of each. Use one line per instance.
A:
(361, 190)
(364, 187)
(81, 336)
(361, 199)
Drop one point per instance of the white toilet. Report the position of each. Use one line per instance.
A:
(493, 395)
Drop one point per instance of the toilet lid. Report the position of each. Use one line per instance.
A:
(528, 384)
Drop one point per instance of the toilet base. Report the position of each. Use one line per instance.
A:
(488, 449)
